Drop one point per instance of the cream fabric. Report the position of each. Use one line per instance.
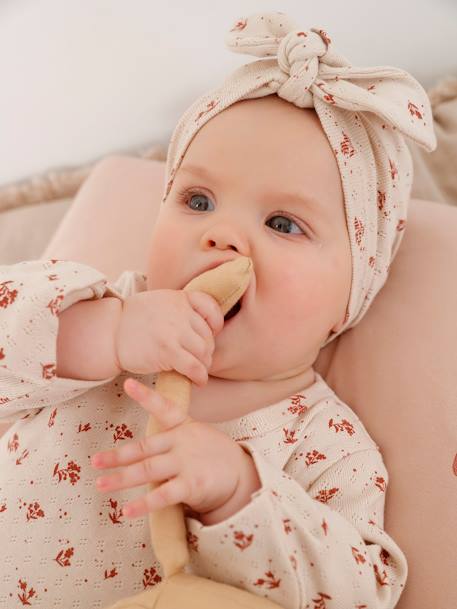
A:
(313, 531)
(365, 112)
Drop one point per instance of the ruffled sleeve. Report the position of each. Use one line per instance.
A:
(32, 295)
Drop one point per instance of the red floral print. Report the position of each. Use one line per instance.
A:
(359, 230)
(25, 596)
(313, 457)
(289, 436)
(324, 495)
(297, 407)
(7, 296)
(209, 106)
(52, 418)
(53, 305)
(13, 443)
(110, 574)
(34, 511)
(325, 37)
(381, 483)
(343, 426)
(381, 578)
(320, 600)
(328, 97)
(393, 169)
(414, 110)
(270, 582)
(24, 455)
(346, 146)
(384, 555)
(358, 557)
(71, 472)
(64, 556)
(115, 514)
(49, 371)
(151, 577)
(239, 25)
(122, 432)
(241, 540)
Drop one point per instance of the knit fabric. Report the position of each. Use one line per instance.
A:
(364, 111)
(311, 536)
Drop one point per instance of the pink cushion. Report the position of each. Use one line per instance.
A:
(397, 369)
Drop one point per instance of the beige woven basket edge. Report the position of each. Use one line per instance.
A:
(61, 183)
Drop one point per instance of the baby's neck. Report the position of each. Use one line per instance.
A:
(223, 400)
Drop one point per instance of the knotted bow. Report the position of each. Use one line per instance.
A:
(309, 68)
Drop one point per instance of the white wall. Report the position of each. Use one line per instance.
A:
(83, 78)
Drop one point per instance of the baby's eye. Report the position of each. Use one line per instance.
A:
(198, 200)
(287, 222)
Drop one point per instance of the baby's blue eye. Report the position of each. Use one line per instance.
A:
(288, 221)
(199, 197)
(200, 202)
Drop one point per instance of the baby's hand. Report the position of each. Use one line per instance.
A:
(196, 464)
(162, 330)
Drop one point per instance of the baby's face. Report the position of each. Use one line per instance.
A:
(260, 180)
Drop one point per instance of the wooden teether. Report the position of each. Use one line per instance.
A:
(179, 590)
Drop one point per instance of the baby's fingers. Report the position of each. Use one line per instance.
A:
(169, 493)
(156, 469)
(132, 452)
(165, 411)
(188, 364)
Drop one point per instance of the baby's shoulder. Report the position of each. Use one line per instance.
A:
(334, 427)
(327, 434)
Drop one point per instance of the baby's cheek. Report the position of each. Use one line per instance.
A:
(164, 263)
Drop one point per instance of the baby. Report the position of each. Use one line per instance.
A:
(296, 162)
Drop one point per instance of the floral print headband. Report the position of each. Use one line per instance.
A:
(365, 113)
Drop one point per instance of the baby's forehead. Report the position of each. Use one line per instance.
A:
(264, 145)
(270, 119)
(269, 137)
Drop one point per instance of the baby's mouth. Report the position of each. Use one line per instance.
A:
(233, 311)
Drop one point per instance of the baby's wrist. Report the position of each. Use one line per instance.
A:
(248, 483)
(116, 359)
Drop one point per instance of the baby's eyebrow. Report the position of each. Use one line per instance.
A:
(297, 200)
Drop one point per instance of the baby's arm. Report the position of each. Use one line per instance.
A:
(85, 342)
(32, 296)
(312, 533)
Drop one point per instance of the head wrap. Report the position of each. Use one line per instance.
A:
(364, 112)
